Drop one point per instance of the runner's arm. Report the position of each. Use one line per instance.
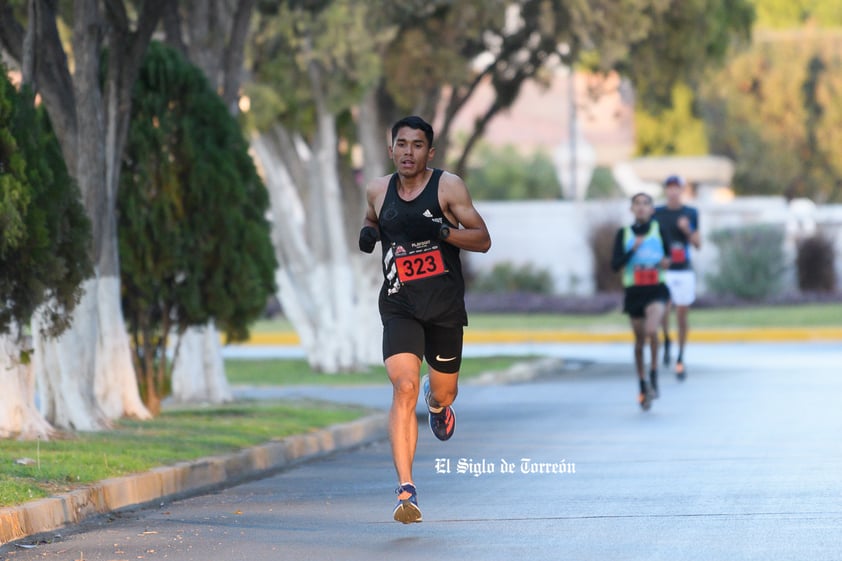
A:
(371, 193)
(694, 237)
(619, 257)
(471, 233)
(370, 232)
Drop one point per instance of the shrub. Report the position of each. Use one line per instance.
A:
(506, 277)
(751, 261)
(603, 185)
(602, 246)
(506, 174)
(816, 264)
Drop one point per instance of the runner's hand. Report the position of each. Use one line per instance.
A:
(368, 238)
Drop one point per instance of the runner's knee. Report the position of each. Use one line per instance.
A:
(405, 387)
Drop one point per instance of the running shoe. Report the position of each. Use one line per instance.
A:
(667, 359)
(407, 511)
(442, 423)
(653, 384)
(680, 371)
(644, 398)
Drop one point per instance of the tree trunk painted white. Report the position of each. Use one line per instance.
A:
(83, 386)
(374, 139)
(19, 417)
(324, 284)
(86, 377)
(198, 374)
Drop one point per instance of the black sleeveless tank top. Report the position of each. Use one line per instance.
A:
(422, 276)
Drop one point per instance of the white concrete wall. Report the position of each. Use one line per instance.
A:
(553, 235)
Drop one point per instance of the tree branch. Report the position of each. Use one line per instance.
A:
(11, 32)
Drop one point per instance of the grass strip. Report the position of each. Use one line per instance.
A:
(802, 315)
(805, 315)
(183, 434)
(296, 372)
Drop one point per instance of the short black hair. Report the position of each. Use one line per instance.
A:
(646, 196)
(414, 122)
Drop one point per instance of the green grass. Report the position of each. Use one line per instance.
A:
(808, 315)
(805, 315)
(296, 372)
(133, 446)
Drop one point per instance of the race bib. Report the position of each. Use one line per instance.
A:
(646, 277)
(678, 254)
(420, 265)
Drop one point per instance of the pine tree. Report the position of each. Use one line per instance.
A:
(45, 231)
(194, 239)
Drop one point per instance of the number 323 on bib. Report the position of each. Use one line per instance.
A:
(421, 265)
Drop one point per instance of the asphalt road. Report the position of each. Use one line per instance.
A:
(741, 461)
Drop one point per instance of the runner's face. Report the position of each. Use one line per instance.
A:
(642, 209)
(410, 152)
(673, 194)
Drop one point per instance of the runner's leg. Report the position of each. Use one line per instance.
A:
(654, 318)
(639, 331)
(403, 370)
(681, 314)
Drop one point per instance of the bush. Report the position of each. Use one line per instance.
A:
(506, 277)
(505, 174)
(816, 264)
(603, 185)
(602, 246)
(751, 261)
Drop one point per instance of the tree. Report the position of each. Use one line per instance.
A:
(43, 260)
(674, 131)
(86, 373)
(506, 174)
(679, 45)
(656, 44)
(311, 67)
(194, 241)
(774, 109)
(212, 35)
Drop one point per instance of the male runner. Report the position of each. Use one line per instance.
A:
(640, 250)
(681, 225)
(422, 217)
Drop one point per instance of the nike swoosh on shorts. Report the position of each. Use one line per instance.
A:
(440, 359)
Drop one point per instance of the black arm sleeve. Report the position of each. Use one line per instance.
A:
(619, 257)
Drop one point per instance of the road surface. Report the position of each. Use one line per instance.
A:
(741, 461)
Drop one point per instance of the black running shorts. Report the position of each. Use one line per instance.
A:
(638, 297)
(440, 345)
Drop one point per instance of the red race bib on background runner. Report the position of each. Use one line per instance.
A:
(646, 277)
(678, 254)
